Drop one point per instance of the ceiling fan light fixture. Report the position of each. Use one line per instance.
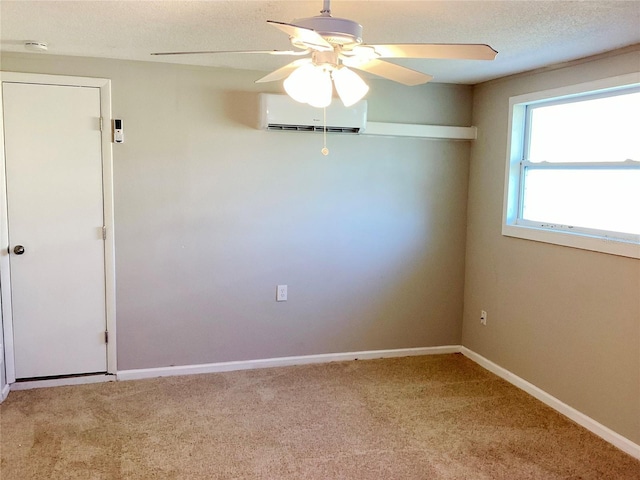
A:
(350, 87)
(337, 42)
(297, 83)
(310, 84)
(321, 89)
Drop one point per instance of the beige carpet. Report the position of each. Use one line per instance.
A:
(432, 417)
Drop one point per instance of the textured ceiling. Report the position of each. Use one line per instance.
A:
(527, 34)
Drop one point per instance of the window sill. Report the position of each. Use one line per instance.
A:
(574, 240)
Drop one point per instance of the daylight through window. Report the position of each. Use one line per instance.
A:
(574, 168)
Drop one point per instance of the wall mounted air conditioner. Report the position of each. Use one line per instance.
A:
(281, 112)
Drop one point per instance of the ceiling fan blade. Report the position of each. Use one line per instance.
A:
(266, 52)
(305, 35)
(283, 72)
(391, 71)
(434, 50)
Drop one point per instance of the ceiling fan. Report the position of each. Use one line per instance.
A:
(332, 46)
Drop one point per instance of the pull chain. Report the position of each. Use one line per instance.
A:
(325, 150)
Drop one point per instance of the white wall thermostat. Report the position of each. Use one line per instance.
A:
(118, 132)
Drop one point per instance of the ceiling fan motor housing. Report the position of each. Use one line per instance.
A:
(336, 31)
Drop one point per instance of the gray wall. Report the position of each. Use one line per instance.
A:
(211, 214)
(566, 320)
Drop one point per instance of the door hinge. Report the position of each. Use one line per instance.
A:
(106, 336)
(104, 232)
(101, 123)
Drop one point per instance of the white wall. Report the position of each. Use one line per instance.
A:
(3, 376)
(211, 214)
(566, 320)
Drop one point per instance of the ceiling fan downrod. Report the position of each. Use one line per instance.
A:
(326, 8)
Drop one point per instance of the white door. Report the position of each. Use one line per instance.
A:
(55, 219)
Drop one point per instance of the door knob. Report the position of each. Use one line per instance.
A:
(18, 250)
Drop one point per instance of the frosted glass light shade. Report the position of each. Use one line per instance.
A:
(297, 84)
(320, 89)
(310, 84)
(350, 87)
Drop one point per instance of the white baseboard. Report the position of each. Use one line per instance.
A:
(281, 362)
(60, 382)
(580, 418)
(5, 392)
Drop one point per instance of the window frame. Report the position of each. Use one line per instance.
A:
(513, 225)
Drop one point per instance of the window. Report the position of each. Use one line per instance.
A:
(573, 166)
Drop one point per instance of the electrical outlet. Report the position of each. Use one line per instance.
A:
(483, 317)
(281, 293)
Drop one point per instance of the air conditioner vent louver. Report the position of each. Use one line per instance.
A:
(312, 128)
(280, 112)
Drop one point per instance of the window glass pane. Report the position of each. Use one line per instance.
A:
(598, 198)
(597, 130)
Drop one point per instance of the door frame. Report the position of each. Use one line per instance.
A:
(107, 195)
